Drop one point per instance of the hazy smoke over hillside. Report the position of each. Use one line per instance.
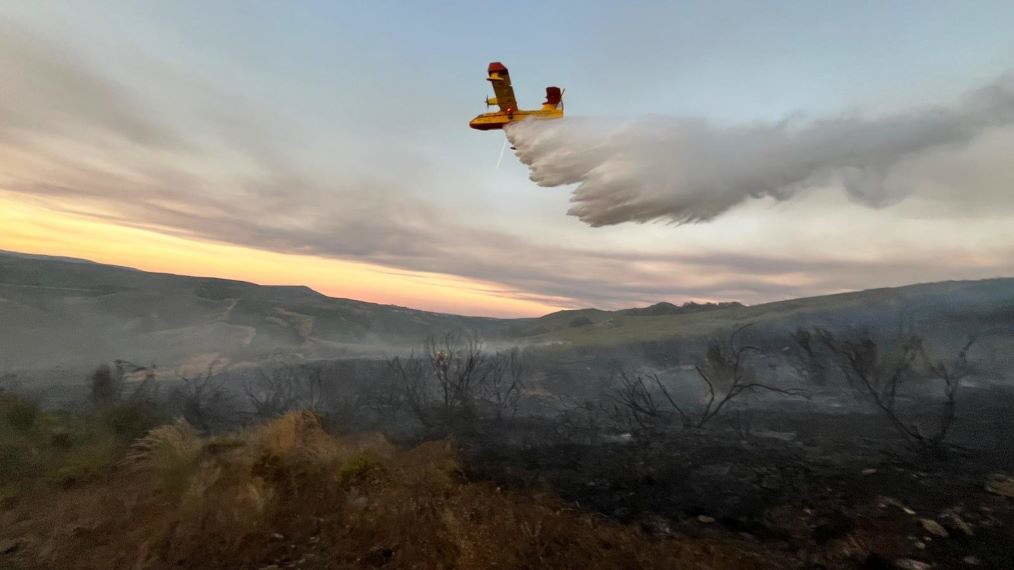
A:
(690, 170)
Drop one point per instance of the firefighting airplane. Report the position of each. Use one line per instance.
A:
(509, 112)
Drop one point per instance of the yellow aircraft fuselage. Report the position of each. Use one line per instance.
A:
(509, 112)
(497, 120)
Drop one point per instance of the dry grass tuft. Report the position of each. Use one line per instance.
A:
(287, 491)
(171, 452)
(295, 433)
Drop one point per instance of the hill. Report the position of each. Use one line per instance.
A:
(75, 312)
(933, 308)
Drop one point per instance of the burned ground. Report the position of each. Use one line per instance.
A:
(824, 491)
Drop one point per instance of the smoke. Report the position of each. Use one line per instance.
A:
(689, 170)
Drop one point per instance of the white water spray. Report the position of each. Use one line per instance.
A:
(688, 170)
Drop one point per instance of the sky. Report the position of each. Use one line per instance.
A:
(326, 144)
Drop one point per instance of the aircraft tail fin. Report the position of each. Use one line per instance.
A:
(554, 98)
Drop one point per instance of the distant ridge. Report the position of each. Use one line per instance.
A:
(66, 310)
(665, 308)
(46, 257)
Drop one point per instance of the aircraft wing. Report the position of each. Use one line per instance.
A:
(501, 81)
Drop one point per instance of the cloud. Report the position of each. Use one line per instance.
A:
(687, 170)
(45, 90)
(79, 141)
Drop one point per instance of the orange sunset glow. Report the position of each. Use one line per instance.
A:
(35, 229)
